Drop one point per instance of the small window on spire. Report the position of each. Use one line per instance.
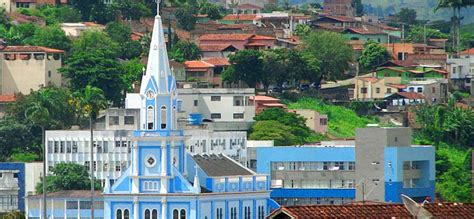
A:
(163, 117)
(150, 117)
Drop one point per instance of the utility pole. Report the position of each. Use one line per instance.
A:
(92, 166)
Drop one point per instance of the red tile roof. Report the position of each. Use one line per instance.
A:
(241, 17)
(31, 49)
(450, 210)
(214, 47)
(197, 64)
(7, 98)
(232, 26)
(344, 211)
(369, 79)
(217, 61)
(225, 37)
(411, 95)
(398, 86)
(135, 36)
(255, 44)
(264, 98)
(261, 37)
(248, 6)
(340, 18)
(468, 52)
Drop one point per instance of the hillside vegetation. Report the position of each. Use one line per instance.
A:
(342, 121)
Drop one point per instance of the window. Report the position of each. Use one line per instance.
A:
(233, 213)
(85, 204)
(129, 120)
(49, 74)
(238, 115)
(247, 212)
(154, 214)
(219, 214)
(182, 214)
(118, 214)
(238, 100)
(215, 115)
(411, 89)
(433, 90)
(163, 117)
(351, 166)
(419, 90)
(400, 56)
(22, 5)
(215, 98)
(389, 90)
(175, 214)
(363, 90)
(71, 205)
(147, 214)
(195, 102)
(323, 121)
(126, 214)
(377, 90)
(150, 117)
(261, 212)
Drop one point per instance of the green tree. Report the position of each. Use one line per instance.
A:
(85, 7)
(332, 51)
(120, 33)
(212, 10)
(3, 17)
(185, 16)
(184, 51)
(15, 136)
(133, 71)
(18, 34)
(417, 34)
(247, 66)
(373, 55)
(67, 176)
(51, 36)
(302, 30)
(407, 16)
(273, 130)
(132, 9)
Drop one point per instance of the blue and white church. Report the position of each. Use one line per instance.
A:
(163, 181)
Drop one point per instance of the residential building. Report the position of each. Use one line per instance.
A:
(229, 109)
(366, 35)
(398, 101)
(379, 166)
(412, 73)
(246, 9)
(335, 23)
(371, 88)
(339, 7)
(264, 102)
(461, 70)
(75, 29)
(401, 51)
(434, 91)
(66, 204)
(238, 19)
(388, 165)
(376, 210)
(201, 71)
(315, 121)
(259, 3)
(16, 181)
(217, 50)
(26, 68)
(239, 41)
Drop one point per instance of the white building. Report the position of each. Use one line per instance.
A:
(461, 70)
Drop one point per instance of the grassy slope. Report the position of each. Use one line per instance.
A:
(342, 121)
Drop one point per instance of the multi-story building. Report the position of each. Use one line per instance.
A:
(461, 70)
(16, 181)
(379, 166)
(339, 7)
(26, 68)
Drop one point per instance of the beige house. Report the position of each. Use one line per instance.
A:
(75, 29)
(370, 88)
(25, 68)
(314, 120)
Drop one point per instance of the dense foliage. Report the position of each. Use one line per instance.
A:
(67, 176)
(373, 55)
(342, 122)
(184, 51)
(285, 128)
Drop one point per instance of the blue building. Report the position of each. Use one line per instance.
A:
(16, 181)
(162, 180)
(379, 166)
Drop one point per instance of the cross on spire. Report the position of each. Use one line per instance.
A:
(158, 7)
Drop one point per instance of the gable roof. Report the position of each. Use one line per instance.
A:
(225, 37)
(215, 165)
(217, 61)
(261, 37)
(216, 47)
(407, 95)
(198, 64)
(468, 52)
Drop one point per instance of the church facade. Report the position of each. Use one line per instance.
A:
(163, 181)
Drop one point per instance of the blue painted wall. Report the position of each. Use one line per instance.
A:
(21, 181)
(311, 193)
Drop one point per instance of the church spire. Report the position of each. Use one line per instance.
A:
(158, 69)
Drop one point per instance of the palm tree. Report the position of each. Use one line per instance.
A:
(39, 115)
(89, 102)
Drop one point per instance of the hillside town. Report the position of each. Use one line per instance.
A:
(249, 109)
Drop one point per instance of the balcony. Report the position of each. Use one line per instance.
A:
(411, 174)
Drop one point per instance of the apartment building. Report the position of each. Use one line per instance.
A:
(26, 68)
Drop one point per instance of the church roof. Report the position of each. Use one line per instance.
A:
(215, 165)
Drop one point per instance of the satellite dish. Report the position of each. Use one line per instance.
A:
(414, 208)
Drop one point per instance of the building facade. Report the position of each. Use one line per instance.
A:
(26, 68)
(16, 181)
(379, 166)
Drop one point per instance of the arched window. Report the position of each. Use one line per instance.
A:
(118, 214)
(175, 214)
(163, 117)
(150, 116)
(183, 214)
(419, 90)
(147, 214)
(154, 214)
(126, 214)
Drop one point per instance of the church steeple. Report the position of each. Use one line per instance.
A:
(158, 87)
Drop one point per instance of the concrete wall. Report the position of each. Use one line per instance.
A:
(313, 120)
(372, 87)
(20, 76)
